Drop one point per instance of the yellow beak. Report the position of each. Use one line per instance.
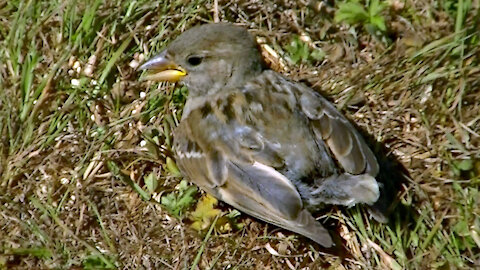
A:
(162, 69)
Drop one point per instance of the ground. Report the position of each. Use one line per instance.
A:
(88, 181)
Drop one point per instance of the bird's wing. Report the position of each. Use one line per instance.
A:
(261, 191)
(344, 141)
(215, 152)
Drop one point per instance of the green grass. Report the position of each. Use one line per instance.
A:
(86, 158)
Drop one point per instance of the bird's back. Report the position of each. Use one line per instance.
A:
(286, 128)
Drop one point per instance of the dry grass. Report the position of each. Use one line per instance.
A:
(80, 134)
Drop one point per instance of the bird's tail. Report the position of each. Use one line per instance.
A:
(346, 189)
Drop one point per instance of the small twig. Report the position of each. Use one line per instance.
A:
(215, 12)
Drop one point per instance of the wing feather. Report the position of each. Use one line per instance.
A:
(264, 193)
(344, 141)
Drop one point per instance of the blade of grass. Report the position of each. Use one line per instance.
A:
(102, 227)
(115, 170)
(115, 57)
(204, 243)
(432, 232)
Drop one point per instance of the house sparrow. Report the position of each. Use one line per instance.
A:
(269, 146)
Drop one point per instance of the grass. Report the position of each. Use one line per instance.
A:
(85, 148)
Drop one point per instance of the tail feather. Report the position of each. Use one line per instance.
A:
(346, 189)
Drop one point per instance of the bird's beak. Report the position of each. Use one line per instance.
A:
(162, 69)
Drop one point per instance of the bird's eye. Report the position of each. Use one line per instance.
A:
(194, 60)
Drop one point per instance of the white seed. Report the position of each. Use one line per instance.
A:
(64, 181)
(88, 71)
(305, 38)
(92, 60)
(75, 82)
(133, 64)
(71, 61)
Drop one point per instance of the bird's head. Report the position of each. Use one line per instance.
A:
(207, 58)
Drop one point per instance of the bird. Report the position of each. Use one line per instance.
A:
(265, 144)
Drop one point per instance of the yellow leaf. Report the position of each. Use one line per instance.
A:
(204, 213)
